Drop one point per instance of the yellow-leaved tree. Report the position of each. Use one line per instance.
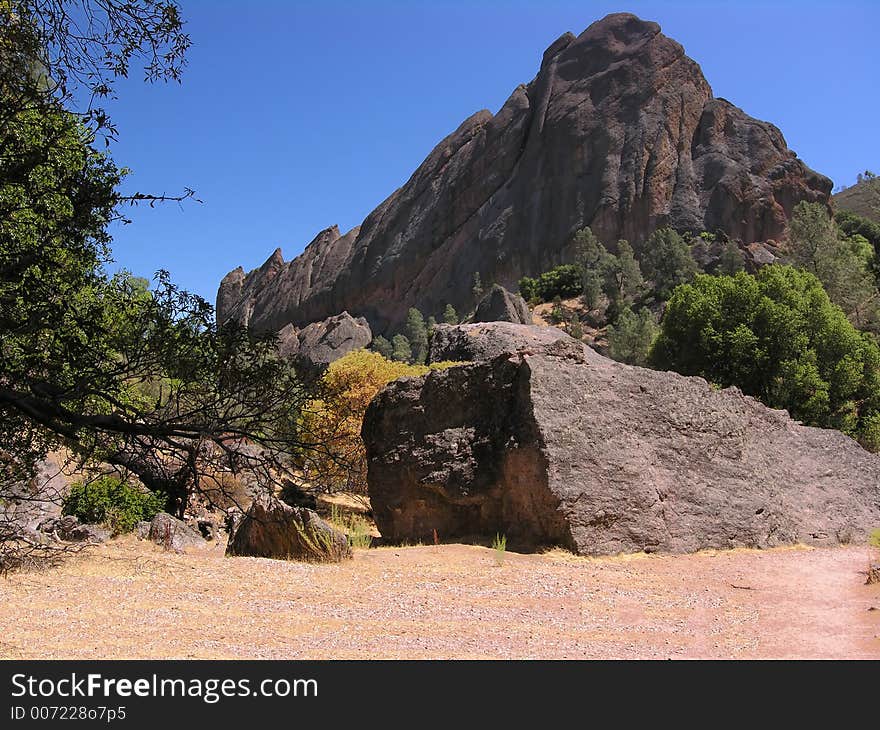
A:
(334, 421)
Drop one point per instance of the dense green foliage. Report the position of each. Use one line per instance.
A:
(417, 334)
(630, 338)
(731, 260)
(667, 261)
(401, 350)
(114, 502)
(622, 280)
(561, 281)
(381, 345)
(843, 263)
(853, 224)
(778, 337)
(450, 316)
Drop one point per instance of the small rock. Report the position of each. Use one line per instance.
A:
(273, 529)
(500, 305)
(69, 529)
(172, 534)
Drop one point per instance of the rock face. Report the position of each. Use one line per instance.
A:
(273, 529)
(487, 340)
(601, 458)
(320, 343)
(619, 131)
(500, 305)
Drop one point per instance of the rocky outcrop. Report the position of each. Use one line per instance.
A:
(273, 529)
(619, 131)
(320, 343)
(601, 458)
(500, 305)
(487, 340)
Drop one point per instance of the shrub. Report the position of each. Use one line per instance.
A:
(112, 501)
(333, 423)
(382, 346)
(417, 334)
(528, 287)
(629, 340)
(401, 349)
(563, 281)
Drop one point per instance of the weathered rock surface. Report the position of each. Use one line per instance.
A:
(273, 529)
(619, 130)
(39, 499)
(173, 534)
(69, 529)
(320, 343)
(500, 305)
(487, 340)
(601, 457)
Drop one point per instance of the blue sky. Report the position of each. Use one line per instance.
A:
(295, 115)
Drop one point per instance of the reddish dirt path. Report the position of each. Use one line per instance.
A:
(129, 600)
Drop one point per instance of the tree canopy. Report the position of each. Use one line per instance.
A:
(144, 380)
(777, 336)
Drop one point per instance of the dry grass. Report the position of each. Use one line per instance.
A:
(127, 599)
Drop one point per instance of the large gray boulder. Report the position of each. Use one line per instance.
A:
(487, 340)
(274, 529)
(619, 130)
(601, 458)
(500, 305)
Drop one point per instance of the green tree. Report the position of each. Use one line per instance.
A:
(382, 346)
(94, 364)
(850, 224)
(417, 334)
(622, 276)
(590, 256)
(450, 316)
(401, 349)
(528, 287)
(731, 260)
(430, 325)
(667, 261)
(842, 263)
(630, 338)
(561, 281)
(779, 338)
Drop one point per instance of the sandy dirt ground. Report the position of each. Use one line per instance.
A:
(127, 599)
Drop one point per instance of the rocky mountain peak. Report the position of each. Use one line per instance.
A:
(619, 131)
